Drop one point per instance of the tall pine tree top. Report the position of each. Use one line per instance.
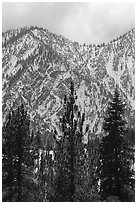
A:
(114, 121)
(115, 169)
(69, 153)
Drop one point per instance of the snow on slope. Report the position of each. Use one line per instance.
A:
(40, 66)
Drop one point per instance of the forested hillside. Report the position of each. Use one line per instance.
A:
(68, 131)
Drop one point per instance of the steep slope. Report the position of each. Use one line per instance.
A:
(38, 67)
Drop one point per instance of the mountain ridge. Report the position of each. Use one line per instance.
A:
(38, 66)
(62, 36)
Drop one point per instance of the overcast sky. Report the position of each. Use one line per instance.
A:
(83, 22)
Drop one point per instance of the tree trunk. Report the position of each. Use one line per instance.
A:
(19, 181)
(19, 167)
(72, 158)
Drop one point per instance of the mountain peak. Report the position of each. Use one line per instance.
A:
(39, 65)
(22, 31)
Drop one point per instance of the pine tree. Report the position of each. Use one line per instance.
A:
(17, 162)
(93, 153)
(7, 158)
(70, 168)
(36, 149)
(115, 153)
(43, 167)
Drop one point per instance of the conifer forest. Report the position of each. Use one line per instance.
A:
(68, 118)
(68, 169)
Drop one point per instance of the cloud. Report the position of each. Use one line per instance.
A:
(83, 22)
(98, 22)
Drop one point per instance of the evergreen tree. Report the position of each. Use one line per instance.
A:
(17, 162)
(43, 168)
(36, 152)
(7, 158)
(70, 165)
(115, 153)
(93, 154)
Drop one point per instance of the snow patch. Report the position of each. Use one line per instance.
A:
(28, 53)
(81, 95)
